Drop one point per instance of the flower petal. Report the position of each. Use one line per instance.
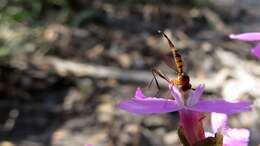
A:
(251, 36)
(221, 106)
(141, 104)
(139, 94)
(218, 122)
(176, 94)
(195, 96)
(256, 51)
(236, 137)
(149, 105)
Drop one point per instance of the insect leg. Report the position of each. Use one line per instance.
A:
(160, 74)
(154, 78)
(150, 83)
(155, 73)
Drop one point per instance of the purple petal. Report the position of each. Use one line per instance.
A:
(256, 51)
(141, 104)
(139, 94)
(218, 121)
(176, 94)
(149, 105)
(236, 137)
(251, 36)
(195, 96)
(221, 106)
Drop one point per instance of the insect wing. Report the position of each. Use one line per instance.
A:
(169, 61)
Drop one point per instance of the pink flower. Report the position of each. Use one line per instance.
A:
(140, 104)
(231, 136)
(190, 110)
(191, 126)
(249, 37)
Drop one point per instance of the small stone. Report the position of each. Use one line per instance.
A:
(171, 138)
(59, 136)
(105, 113)
(124, 60)
(95, 52)
(98, 139)
(132, 128)
(73, 97)
(85, 86)
(6, 143)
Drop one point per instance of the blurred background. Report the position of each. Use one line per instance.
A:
(65, 64)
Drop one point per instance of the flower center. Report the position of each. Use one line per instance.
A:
(185, 96)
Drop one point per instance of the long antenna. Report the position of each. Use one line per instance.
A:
(169, 41)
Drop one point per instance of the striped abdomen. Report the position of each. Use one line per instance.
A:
(178, 61)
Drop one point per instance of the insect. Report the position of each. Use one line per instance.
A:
(183, 80)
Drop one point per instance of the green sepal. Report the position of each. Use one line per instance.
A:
(211, 141)
(182, 137)
(219, 139)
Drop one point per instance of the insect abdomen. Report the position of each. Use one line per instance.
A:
(178, 61)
